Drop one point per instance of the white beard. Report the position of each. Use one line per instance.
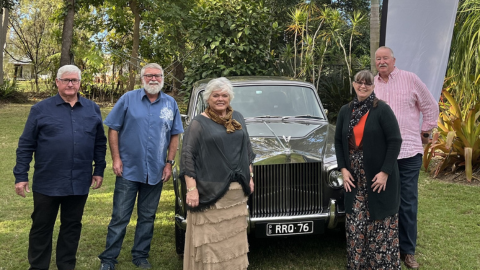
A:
(153, 88)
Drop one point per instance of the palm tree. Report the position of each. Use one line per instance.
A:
(298, 17)
(356, 20)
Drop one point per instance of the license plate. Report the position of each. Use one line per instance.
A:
(289, 228)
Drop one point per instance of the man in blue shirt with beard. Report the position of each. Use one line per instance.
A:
(143, 125)
(65, 132)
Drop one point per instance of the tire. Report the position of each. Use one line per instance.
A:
(179, 233)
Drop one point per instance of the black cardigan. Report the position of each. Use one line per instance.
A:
(381, 146)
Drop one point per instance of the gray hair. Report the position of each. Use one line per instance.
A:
(151, 65)
(221, 83)
(69, 69)
(385, 47)
(365, 76)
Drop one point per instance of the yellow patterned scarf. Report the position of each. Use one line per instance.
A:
(228, 122)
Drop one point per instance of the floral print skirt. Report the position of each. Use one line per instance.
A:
(371, 244)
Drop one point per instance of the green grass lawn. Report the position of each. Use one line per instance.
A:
(448, 233)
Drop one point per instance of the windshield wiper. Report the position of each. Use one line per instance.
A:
(304, 116)
(267, 116)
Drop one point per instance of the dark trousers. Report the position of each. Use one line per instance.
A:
(44, 214)
(407, 215)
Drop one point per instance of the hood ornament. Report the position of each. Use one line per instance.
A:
(287, 139)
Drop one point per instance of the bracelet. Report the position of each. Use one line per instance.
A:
(191, 189)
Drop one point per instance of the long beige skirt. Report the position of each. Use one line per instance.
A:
(217, 237)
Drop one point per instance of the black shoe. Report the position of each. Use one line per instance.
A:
(142, 263)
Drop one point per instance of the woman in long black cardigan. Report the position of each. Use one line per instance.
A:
(367, 144)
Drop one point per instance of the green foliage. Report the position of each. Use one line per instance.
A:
(334, 91)
(232, 38)
(457, 138)
(8, 4)
(323, 36)
(9, 92)
(464, 62)
(33, 35)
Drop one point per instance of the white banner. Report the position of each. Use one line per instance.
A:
(420, 32)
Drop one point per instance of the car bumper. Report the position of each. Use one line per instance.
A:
(331, 218)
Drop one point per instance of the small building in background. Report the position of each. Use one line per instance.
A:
(23, 69)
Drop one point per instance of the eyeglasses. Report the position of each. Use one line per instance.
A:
(364, 83)
(156, 76)
(67, 81)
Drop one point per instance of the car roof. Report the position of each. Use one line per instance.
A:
(256, 80)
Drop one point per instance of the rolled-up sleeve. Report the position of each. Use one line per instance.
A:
(427, 105)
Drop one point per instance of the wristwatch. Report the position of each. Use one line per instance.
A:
(171, 162)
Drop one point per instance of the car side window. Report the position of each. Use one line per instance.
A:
(200, 106)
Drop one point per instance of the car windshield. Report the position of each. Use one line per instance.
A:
(272, 101)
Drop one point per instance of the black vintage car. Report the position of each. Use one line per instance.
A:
(298, 189)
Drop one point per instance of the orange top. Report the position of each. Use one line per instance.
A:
(358, 130)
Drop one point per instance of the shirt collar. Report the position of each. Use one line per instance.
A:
(391, 75)
(144, 94)
(59, 100)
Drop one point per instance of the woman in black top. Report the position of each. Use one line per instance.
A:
(216, 163)
(367, 144)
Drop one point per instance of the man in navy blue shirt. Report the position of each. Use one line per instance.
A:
(65, 134)
(143, 126)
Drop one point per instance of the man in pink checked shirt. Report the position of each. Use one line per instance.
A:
(408, 96)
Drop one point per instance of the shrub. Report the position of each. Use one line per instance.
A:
(334, 91)
(9, 92)
(457, 139)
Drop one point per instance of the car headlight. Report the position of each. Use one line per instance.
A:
(335, 179)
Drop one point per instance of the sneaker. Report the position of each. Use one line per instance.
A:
(142, 263)
(107, 266)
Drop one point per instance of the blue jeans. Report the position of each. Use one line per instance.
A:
(123, 202)
(407, 215)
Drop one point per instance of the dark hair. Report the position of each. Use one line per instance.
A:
(364, 76)
(367, 77)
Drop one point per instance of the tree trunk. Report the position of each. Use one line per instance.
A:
(179, 76)
(3, 39)
(136, 43)
(37, 87)
(67, 34)
(374, 32)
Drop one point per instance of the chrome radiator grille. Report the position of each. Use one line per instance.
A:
(286, 190)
